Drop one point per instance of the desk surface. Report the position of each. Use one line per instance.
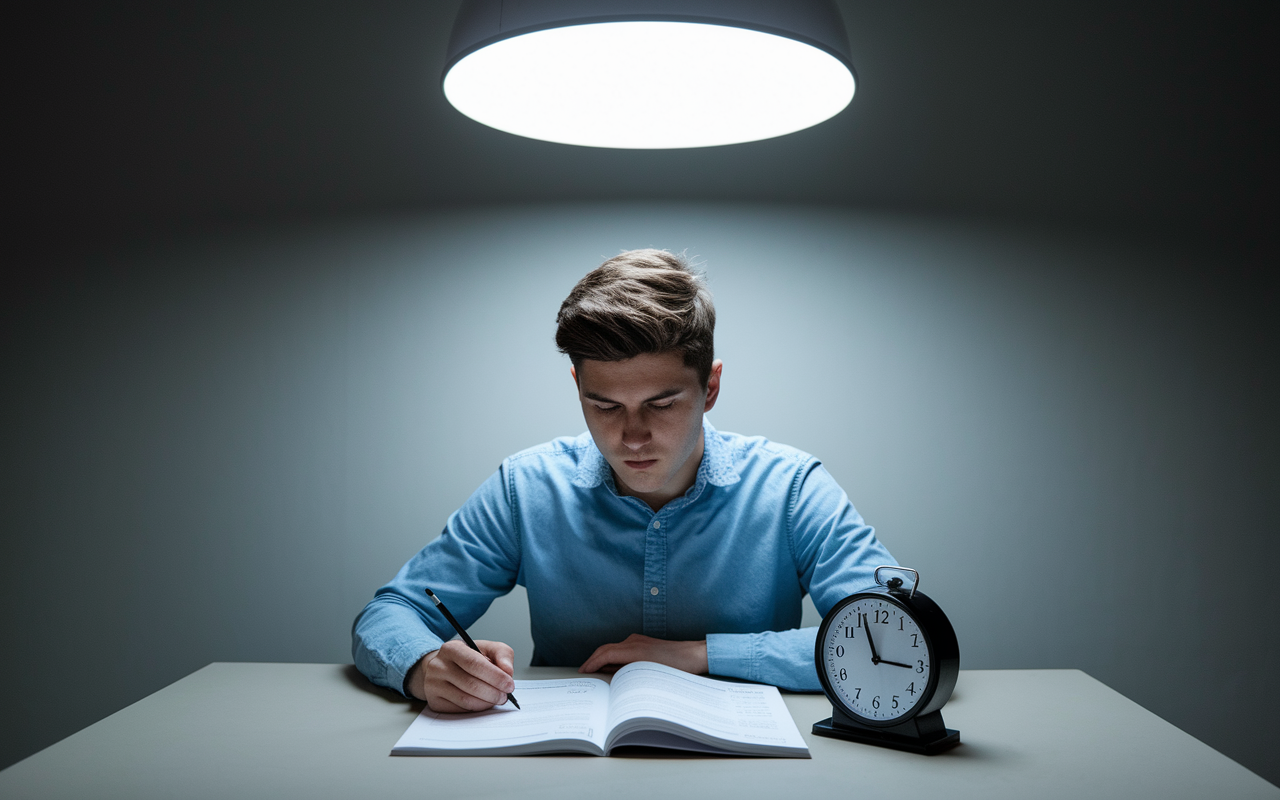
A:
(321, 730)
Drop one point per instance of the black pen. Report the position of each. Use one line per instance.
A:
(462, 633)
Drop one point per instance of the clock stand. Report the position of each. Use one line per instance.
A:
(925, 734)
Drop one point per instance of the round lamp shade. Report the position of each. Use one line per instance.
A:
(649, 74)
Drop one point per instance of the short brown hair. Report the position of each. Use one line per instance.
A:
(642, 301)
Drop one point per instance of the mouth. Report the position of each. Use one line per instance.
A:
(641, 464)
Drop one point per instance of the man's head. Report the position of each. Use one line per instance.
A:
(639, 330)
(642, 301)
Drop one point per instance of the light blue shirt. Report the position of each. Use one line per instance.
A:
(729, 561)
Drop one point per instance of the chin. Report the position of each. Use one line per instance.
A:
(644, 481)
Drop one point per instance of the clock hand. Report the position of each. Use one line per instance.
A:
(875, 658)
(895, 663)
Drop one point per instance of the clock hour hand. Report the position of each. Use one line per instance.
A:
(895, 663)
(875, 658)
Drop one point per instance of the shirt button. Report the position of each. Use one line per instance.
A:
(657, 524)
(654, 591)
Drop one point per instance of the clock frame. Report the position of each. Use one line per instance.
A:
(921, 728)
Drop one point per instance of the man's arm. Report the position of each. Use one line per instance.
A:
(474, 560)
(835, 554)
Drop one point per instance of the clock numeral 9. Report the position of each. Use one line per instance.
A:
(843, 676)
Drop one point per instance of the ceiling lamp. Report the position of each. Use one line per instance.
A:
(649, 74)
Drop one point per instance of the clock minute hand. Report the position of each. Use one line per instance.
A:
(895, 663)
(875, 658)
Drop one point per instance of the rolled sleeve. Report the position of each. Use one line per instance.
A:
(781, 658)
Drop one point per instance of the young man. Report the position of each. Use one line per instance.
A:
(652, 537)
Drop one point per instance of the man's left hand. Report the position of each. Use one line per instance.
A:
(688, 656)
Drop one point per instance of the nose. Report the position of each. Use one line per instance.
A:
(635, 433)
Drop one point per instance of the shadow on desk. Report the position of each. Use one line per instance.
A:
(359, 681)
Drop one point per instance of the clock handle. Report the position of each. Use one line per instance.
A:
(914, 585)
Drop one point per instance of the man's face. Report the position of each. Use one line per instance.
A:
(645, 415)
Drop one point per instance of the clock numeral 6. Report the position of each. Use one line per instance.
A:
(875, 701)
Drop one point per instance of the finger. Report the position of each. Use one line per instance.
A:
(443, 706)
(500, 654)
(448, 694)
(479, 666)
(480, 677)
(618, 654)
(597, 658)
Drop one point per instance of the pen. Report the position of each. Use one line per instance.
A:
(462, 633)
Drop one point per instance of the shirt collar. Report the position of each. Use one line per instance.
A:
(716, 468)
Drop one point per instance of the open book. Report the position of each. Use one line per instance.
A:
(647, 704)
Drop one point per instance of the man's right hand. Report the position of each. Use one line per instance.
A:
(456, 678)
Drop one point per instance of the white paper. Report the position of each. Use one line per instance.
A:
(575, 708)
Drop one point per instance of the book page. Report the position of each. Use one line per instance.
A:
(720, 711)
(550, 711)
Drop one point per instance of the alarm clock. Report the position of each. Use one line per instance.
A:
(888, 660)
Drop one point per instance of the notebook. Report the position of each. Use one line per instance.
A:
(647, 704)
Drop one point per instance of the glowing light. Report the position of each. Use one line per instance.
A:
(649, 85)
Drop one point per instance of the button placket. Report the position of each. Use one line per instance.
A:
(655, 580)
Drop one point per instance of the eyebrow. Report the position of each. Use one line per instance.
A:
(599, 398)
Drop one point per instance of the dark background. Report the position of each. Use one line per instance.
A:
(271, 309)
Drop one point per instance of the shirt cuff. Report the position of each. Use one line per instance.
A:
(732, 655)
(403, 658)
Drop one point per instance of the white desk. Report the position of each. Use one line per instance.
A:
(321, 731)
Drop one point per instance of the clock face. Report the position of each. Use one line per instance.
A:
(876, 658)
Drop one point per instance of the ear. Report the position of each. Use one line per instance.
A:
(713, 385)
(573, 373)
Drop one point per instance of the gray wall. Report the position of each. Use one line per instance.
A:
(217, 449)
